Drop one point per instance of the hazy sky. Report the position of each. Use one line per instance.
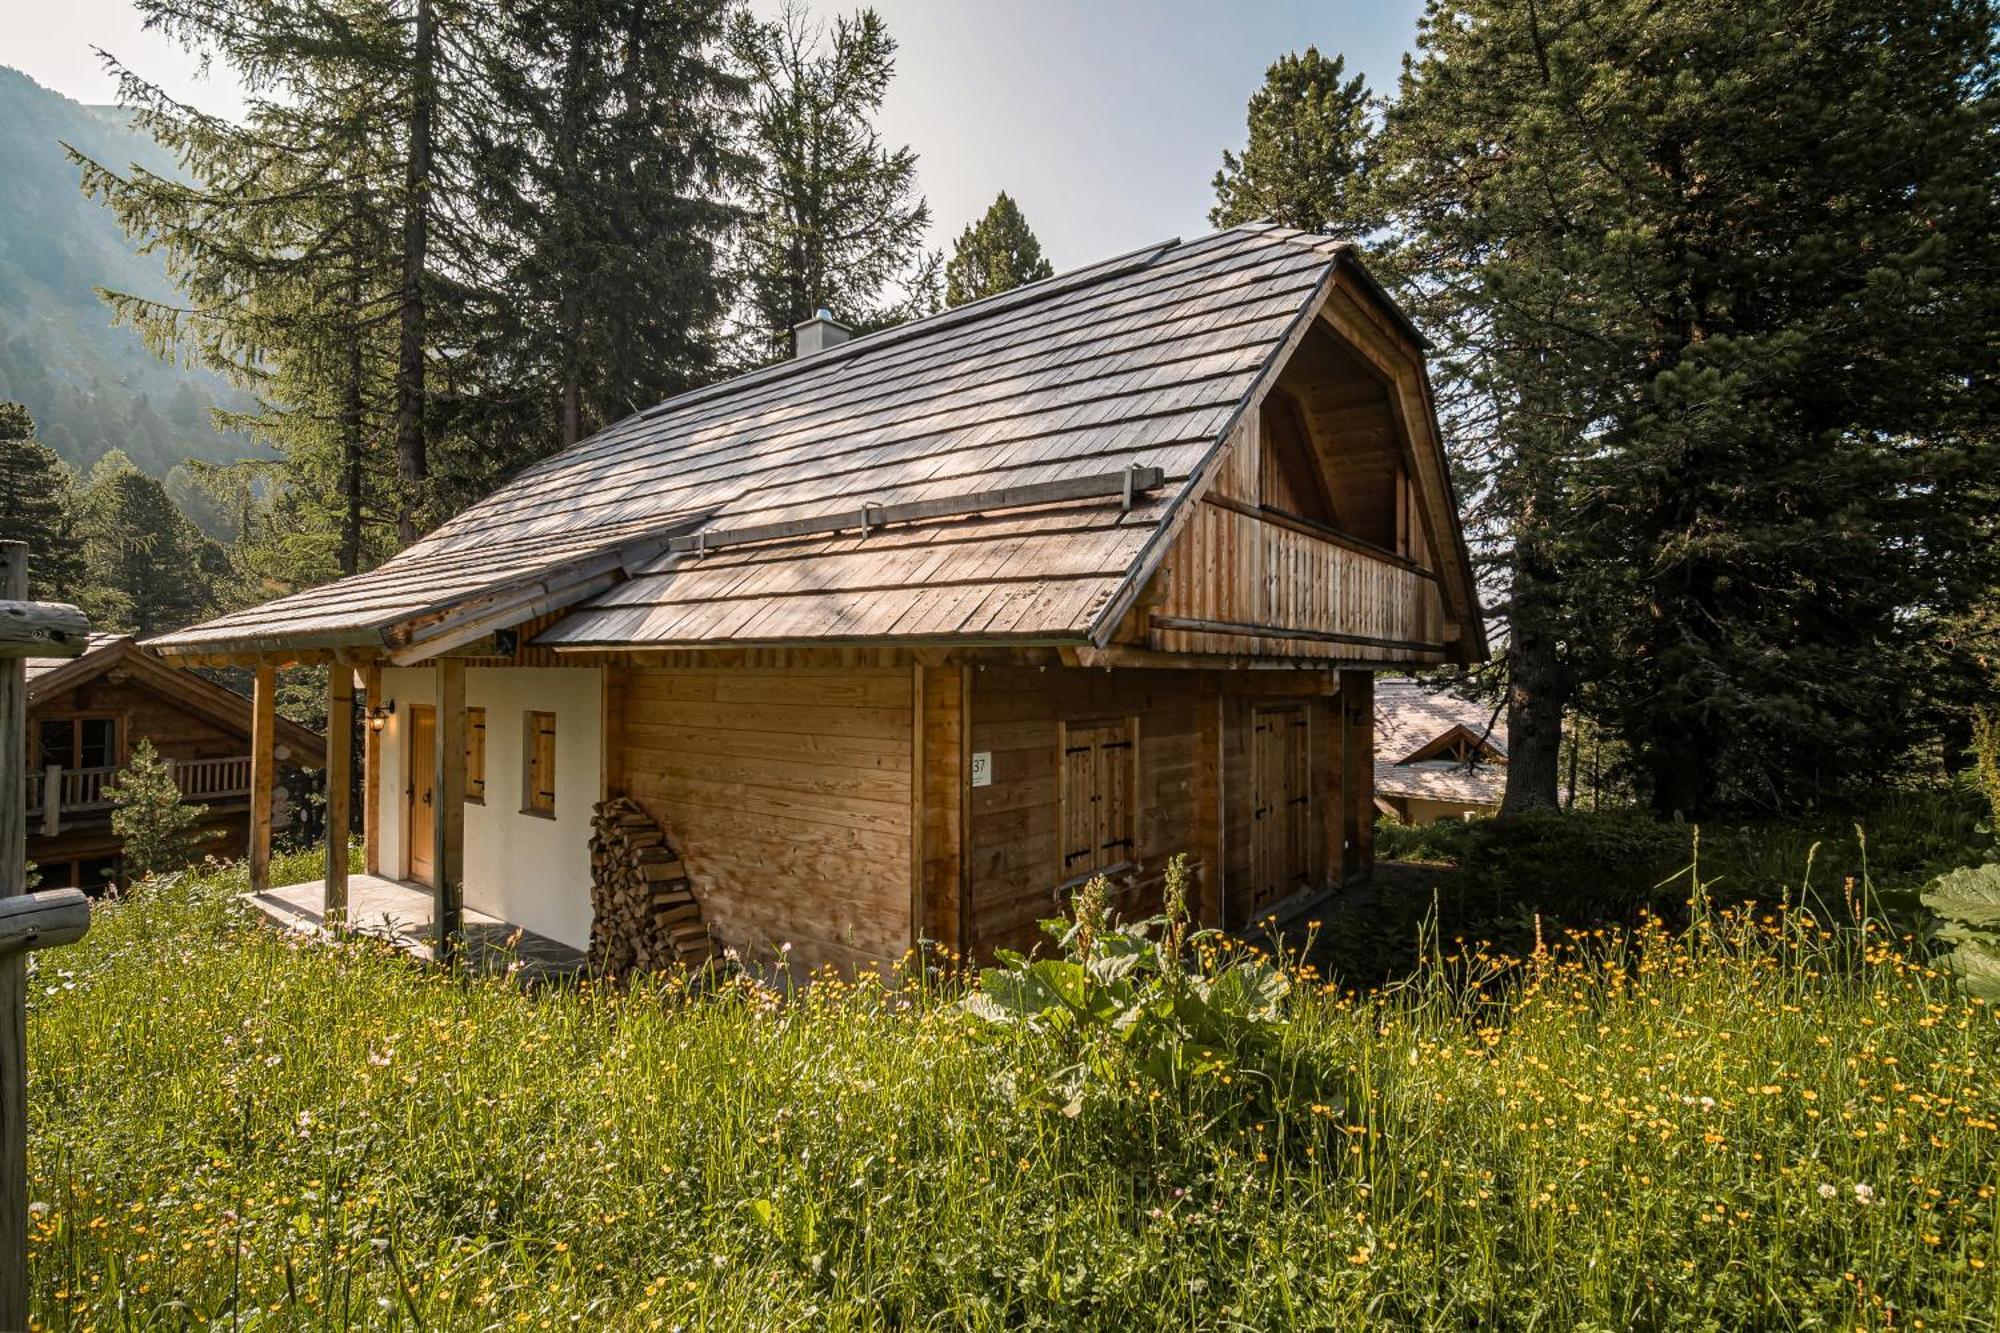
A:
(1105, 119)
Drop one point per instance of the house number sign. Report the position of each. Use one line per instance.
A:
(982, 768)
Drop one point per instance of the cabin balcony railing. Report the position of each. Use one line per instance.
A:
(1245, 581)
(213, 779)
(80, 792)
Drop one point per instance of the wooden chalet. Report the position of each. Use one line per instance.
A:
(85, 715)
(1437, 756)
(904, 637)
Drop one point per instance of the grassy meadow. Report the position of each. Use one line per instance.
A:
(1762, 1119)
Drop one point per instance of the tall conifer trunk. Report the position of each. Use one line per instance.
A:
(570, 314)
(1538, 681)
(412, 462)
(351, 441)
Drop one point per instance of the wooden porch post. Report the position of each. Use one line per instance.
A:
(263, 758)
(339, 782)
(918, 820)
(371, 776)
(448, 820)
(1357, 785)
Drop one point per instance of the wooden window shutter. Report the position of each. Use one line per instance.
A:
(1079, 817)
(540, 796)
(1098, 796)
(475, 755)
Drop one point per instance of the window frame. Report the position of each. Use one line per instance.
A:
(1119, 851)
(76, 722)
(535, 785)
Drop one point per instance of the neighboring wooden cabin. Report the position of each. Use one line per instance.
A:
(1437, 756)
(903, 638)
(85, 715)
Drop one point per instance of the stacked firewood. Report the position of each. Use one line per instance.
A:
(644, 915)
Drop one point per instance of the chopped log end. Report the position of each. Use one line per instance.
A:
(645, 914)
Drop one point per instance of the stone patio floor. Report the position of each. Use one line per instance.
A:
(401, 913)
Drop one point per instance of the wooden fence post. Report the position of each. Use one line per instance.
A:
(39, 630)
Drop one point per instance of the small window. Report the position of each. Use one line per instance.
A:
(538, 786)
(475, 755)
(88, 742)
(1099, 790)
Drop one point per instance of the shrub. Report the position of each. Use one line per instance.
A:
(1986, 763)
(1148, 1011)
(1442, 842)
(1580, 865)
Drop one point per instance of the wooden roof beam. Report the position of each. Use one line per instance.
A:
(1127, 484)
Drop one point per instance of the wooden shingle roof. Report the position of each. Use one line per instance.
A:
(1410, 719)
(1143, 361)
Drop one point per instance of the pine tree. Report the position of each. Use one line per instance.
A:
(606, 166)
(1310, 148)
(996, 254)
(1711, 268)
(326, 247)
(835, 218)
(36, 499)
(158, 829)
(146, 567)
(283, 246)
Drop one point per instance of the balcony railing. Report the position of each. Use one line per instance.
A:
(80, 791)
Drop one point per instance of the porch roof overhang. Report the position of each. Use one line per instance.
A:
(431, 604)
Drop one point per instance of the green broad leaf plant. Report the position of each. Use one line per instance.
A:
(1157, 1012)
(1968, 898)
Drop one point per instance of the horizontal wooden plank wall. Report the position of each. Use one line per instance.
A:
(1233, 573)
(175, 732)
(789, 791)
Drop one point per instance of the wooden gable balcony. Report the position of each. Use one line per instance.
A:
(1245, 581)
(80, 792)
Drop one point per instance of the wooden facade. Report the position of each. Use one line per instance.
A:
(905, 640)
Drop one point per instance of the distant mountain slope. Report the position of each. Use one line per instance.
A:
(92, 387)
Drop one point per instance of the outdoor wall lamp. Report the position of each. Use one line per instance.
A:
(378, 717)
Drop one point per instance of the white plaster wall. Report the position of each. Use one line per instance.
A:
(524, 868)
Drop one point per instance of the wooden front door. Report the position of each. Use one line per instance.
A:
(421, 793)
(1281, 823)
